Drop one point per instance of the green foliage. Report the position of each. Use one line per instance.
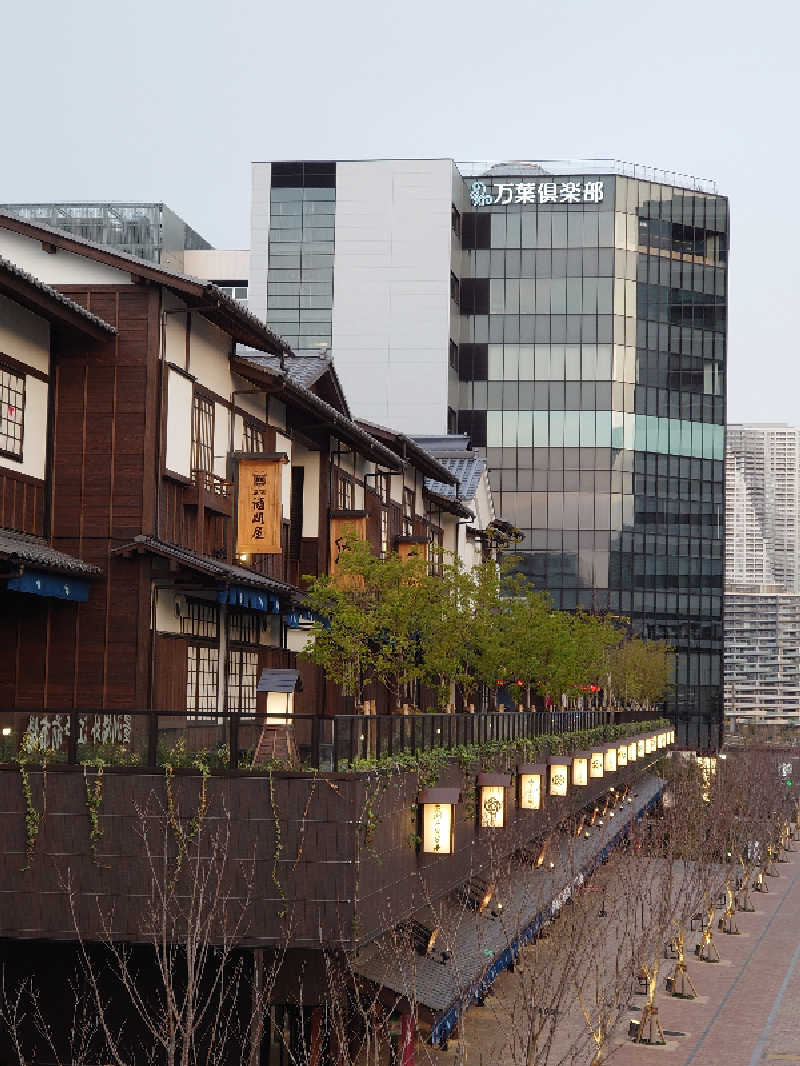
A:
(32, 751)
(94, 800)
(110, 754)
(390, 621)
(179, 757)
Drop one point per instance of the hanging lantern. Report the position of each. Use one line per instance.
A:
(492, 794)
(438, 819)
(559, 766)
(610, 759)
(596, 763)
(580, 767)
(531, 781)
(622, 755)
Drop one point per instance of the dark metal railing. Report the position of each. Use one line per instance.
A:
(149, 739)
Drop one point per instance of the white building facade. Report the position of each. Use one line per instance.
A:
(762, 573)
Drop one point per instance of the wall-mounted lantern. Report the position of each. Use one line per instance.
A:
(492, 795)
(622, 755)
(438, 819)
(633, 751)
(580, 767)
(640, 748)
(610, 759)
(559, 766)
(596, 763)
(531, 786)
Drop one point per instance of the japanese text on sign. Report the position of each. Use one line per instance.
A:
(483, 194)
(259, 507)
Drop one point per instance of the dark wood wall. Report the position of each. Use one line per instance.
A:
(22, 502)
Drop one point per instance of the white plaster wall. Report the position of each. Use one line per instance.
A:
(283, 444)
(276, 413)
(179, 424)
(298, 639)
(217, 264)
(221, 439)
(391, 313)
(166, 620)
(209, 350)
(24, 335)
(310, 462)
(59, 268)
(34, 432)
(261, 174)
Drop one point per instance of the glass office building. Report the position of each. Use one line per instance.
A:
(571, 318)
(591, 368)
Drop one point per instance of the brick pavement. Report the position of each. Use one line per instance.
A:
(746, 1013)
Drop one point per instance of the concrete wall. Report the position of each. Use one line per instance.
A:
(217, 264)
(391, 313)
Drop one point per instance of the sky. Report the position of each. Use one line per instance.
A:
(171, 101)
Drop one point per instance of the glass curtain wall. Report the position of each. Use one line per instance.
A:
(301, 244)
(591, 371)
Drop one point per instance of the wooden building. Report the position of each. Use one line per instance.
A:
(164, 446)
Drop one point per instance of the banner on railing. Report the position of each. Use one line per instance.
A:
(51, 730)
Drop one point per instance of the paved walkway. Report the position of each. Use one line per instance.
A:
(747, 1012)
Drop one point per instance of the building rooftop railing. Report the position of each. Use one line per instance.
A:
(639, 171)
(148, 739)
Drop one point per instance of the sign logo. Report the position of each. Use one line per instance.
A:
(482, 194)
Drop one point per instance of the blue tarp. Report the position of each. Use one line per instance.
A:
(56, 586)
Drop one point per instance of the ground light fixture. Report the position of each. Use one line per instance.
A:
(492, 794)
(531, 785)
(633, 751)
(662, 739)
(438, 819)
(622, 755)
(650, 744)
(280, 687)
(596, 763)
(558, 776)
(610, 759)
(580, 768)
(640, 748)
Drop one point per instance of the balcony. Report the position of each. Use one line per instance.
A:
(210, 491)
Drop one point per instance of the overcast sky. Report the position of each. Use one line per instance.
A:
(171, 101)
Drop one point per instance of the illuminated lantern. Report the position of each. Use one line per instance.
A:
(622, 755)
(640, 748)
(559, 774)
(580, 767)
(610, 759)
(633, 751)
(596, 763)
(438, 819)
(492, 794)
(531, 782)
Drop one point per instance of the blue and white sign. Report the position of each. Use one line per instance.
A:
(486, 194)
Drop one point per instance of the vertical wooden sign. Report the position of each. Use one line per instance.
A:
(258, 507)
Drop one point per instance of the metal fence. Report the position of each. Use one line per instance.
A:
(147, 739)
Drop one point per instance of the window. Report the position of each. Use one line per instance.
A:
(201, 681)
(453, 355)
(202, 435)
(236, 292)
(200, 620)
(253, 438)
(244, 628)
(384, 490)
(455, 290)
(436, 539)
(408, 512)
(345, 493)
(455, 220)
(12, 412)
(242, 681)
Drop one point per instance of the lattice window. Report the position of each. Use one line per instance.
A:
(200, 620)
(408, 512)
(244, 628)
(201, 682)
(12, 412)
(203, 435)
(436, 538)
(384, 489)
(242, 681)
(345, 493)
(253, 438)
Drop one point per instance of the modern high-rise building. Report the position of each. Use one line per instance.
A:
(151, 231)
(571, 318)
(762, 573)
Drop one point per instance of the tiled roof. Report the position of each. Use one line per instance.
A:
(467, 469)
(232, 310)
(305, 370)
(70, 305)
(477, 942)
(409, 449)
(205, 564)
(26, 549)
